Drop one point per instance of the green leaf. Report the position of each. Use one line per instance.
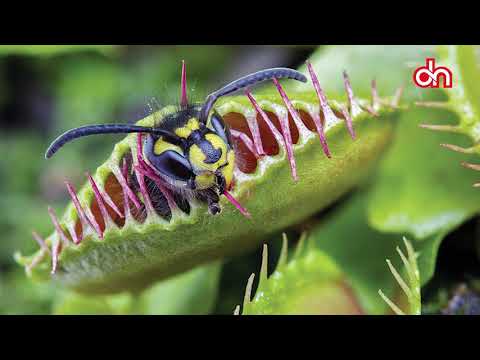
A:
(191, 293)
(420, 187)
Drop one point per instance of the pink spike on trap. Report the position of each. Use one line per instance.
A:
(285, 130)
(123, 172)
(40, 241)
(348, 121)
(100, 201)
(184, 97)
(284, 124)
(146, 170)
(143, 190)
(56, 246)
(122, 179)
(235, 203)
(99, 194)
(56, 224)
(259, 110)
(246, 140)
(84, 220)
(354, 107)
(327, 111)
(375, 97)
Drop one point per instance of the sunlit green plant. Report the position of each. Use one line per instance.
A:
(129, 254)
(368, 144)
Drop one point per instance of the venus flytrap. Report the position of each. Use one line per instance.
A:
(298, 150)
(332, 271)
(113, 237)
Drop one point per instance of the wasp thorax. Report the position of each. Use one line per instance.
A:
(199, 157)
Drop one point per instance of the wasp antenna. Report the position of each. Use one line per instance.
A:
(184, 98)
(101, 129)
(246, 81)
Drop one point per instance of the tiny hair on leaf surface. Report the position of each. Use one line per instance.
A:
(125, 230)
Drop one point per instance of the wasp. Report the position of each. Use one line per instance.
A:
(191, 150)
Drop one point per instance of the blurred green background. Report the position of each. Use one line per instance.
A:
(45, 90)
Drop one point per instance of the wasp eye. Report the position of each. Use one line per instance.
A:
(220, 128)
(173, 165)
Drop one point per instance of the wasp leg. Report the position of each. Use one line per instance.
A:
(214, 208)
(221, 182)
(211, 198)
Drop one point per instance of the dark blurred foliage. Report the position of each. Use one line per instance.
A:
(47, 90)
